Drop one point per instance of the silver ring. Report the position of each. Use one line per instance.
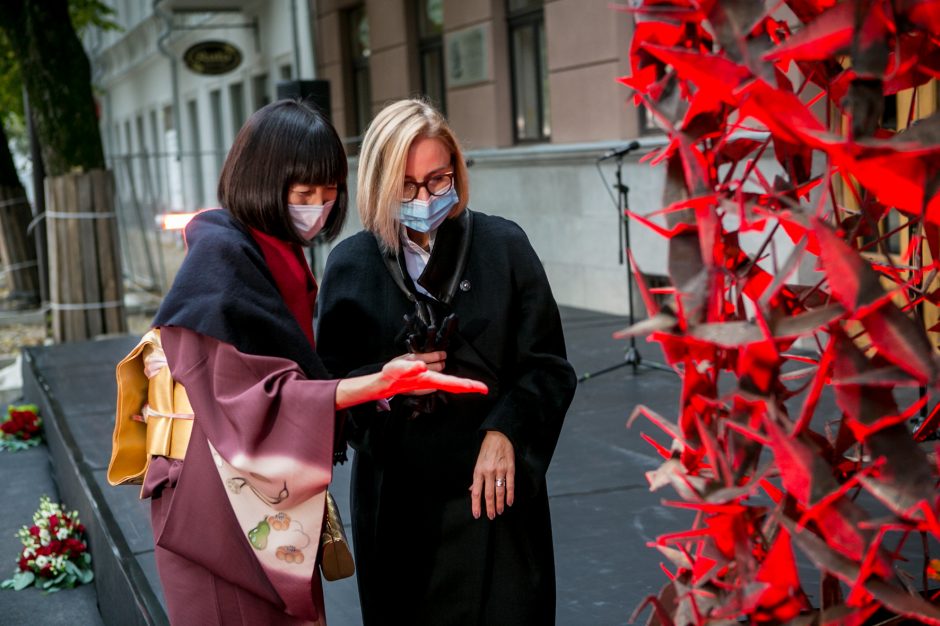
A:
(500, 482)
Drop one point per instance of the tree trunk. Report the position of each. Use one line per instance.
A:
(80, 218)
(17, 247)
(57, 76)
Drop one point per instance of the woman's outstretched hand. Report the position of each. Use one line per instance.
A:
(404, 374)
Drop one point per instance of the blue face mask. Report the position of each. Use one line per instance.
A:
(426, 215)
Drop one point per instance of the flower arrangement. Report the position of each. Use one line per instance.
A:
(55, 555)
(22, 427)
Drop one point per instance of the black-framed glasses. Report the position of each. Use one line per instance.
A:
(437, 185)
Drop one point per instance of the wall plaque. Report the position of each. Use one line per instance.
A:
(212, 57)
(467, 53)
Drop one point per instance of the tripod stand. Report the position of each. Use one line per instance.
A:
(631, 355)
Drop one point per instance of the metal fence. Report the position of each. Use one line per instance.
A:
(147, 186)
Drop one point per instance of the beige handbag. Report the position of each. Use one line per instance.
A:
(336, 560)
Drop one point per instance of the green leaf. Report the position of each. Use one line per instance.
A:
(87, 576)
(22, 580)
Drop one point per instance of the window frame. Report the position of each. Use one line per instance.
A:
(426, 45)
(531, 17)
(358, 69)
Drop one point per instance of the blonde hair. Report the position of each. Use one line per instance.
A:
(382, 165)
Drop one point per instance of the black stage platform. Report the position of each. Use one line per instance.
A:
(603, 513)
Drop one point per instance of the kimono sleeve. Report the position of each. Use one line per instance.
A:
(260, 413)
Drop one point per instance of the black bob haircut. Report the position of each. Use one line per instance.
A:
(284, 143)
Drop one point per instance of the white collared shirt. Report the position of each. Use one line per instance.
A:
(416, 257)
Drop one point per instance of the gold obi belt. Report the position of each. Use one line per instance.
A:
(154, 417)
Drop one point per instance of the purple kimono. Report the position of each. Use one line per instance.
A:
(237, 523)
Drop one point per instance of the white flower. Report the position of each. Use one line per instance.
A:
(61, 533)
(41, 561)
(44, 535)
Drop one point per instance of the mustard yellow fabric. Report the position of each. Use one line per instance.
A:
(165, 406)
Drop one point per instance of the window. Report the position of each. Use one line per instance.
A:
(528, 62)
(357, 32)
(168, 124)
(155, 153)
(431, 50)
(196, 186)
(259, 90)
(236, 97)
(129, 140)
(141, 138)
(143, 162)
(218, 137)
(115, 140)
(172, 167)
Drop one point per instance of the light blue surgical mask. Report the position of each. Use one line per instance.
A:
(426, 215)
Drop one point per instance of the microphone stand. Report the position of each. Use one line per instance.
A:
(631, 356)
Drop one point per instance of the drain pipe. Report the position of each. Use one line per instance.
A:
(167, 18)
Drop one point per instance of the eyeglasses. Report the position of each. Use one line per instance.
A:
(437, 185)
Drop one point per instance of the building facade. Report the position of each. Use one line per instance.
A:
(167, 121)
(530, 87)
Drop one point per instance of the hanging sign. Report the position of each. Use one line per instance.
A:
(212, 57)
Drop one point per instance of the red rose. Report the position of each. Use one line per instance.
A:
(81, 529)
(8, 427)
(43, 551)
(34, 530)
(53, 521)
(46, 571)
(76, 546)
(23, 564)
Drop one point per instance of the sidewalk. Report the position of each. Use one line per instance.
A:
(603, 513)
(27, 475)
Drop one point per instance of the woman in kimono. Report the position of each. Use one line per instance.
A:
(450, 512)
(237, 522)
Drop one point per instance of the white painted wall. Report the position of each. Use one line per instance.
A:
(134, 78)
(556, 195)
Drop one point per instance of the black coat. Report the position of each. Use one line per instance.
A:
(421, 556)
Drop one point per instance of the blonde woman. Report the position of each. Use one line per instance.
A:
(450, 513)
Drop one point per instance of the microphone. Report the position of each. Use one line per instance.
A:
(616, 153)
